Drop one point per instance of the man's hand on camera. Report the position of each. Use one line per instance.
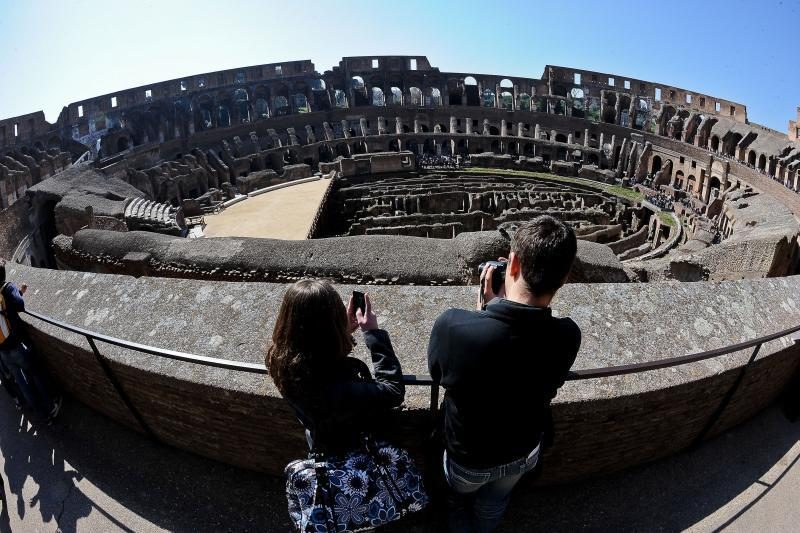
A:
(486, 294)
(367, 320)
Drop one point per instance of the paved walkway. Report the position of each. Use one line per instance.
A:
(86, 473)
(280, 214)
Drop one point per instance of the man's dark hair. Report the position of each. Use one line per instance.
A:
(2, 270)
(546, 248)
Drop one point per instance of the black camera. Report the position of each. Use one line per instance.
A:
(499, 274)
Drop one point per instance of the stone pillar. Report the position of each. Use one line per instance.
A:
(364, 129)
(381, 126)
(569, 139)
(536, 132)
(620, 162)
(586, 137)
(520, 129)
(486, 126)
(398, 126)
(416, 125)
(468, 125)
(453, 124)
(345, 129)
(553, 134)
(503, 128)
(497, 92)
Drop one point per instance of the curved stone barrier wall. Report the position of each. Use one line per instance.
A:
(602, 425)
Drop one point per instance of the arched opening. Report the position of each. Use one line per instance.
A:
(397, 96)
(394, 145)
(642, 113)
(359, 90)
(262, 109)
(691, 186)
(471, 91)
(240, 98)
(415, 96)
(507, 100)
(762, 162)
(714, 143)
(609, 108)
(321, 98)
(435, 97)
(733, 144)
(488, 98)
(377, 97)
(679, 183)
(340, 99)
(578, 106)
(656, 164)
(441, 128)
(751, 158)
(281, 104)
(525, 102)
(205, 110)
(506, 84)
(561, 138)
(715, 186)
(495, 147)
(223, 116)
(301, 103)
(493, 130)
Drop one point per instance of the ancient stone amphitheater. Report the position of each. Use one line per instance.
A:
(686, 213)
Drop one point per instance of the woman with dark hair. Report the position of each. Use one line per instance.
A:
(350, 481)
(335, 397)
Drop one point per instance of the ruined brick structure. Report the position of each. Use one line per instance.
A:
(108, 189)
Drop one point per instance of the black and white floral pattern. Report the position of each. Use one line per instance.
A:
(365, 489)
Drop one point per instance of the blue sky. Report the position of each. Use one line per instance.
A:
(56, 52)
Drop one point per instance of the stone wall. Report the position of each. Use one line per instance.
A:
(603, 425)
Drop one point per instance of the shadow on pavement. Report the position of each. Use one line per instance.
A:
(89, 473)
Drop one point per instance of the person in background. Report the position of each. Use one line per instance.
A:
(16, 355)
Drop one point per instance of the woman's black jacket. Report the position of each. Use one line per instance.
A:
(350, 402)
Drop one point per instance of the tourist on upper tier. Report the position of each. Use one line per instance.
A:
(334, 395)
(16, 354)
(500, 367)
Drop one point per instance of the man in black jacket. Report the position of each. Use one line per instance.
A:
(501, 366)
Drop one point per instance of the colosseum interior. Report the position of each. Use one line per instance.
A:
(686, 211)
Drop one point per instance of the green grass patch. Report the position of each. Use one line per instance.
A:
(665, 218)
(616, 190)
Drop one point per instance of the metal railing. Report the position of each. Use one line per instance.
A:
(416, 379)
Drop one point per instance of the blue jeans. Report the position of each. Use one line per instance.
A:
(479, 498)
(19, 361)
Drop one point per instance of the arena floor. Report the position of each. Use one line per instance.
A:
(281, 214)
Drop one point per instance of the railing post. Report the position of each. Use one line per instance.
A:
(118, 386)
(726, 400)
(434, 401)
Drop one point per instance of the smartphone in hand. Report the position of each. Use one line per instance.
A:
(359, 302)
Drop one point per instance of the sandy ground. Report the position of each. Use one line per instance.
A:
(282, 214)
